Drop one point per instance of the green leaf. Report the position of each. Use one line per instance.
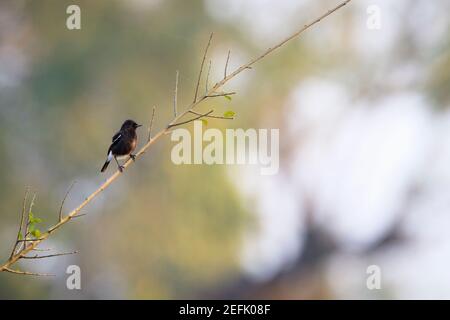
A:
(205, 122)
(37, 220)
(229, 114)
(32, 219)
(36, 233)
(228, 97)
(20, 236)
(31, 228)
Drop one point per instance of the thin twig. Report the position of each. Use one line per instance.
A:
(79, 215)
(175, 95)
(151, 125)
(221, 94)
(26, 273)
(211, 116)
(190, 120)
(49, 255)
(207, 77)
(25, 231)
(60, 215)
(39, 249)
(31, 240)
(226, 64)
(30, 210)
(22, 220)
(201, 67)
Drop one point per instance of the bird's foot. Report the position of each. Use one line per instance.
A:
(121, 168)
(133, 157)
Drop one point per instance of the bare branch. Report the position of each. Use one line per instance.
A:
(64, 199)
(221, 94)
(49, 255)
(30, 210)
(175, 96)
(211, 116)
(27, 273)
(151, 125)
(226, 64)
(39, 249)
(207, 77)
(25, 231)
(190, 120)
(22, 220)
(31, 240)
(201, 67)
(79, 215)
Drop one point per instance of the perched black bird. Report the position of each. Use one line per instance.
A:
(123, 143)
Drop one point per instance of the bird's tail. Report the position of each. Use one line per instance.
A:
(105, 165)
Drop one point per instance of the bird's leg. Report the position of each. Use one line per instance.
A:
(133, 156)
(118, 164)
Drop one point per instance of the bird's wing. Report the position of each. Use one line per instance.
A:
(116, 137)
(115, 140)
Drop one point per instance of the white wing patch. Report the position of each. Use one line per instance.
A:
(110, 156)
(118, 137)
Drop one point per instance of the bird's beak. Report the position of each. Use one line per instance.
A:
(138, 125)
